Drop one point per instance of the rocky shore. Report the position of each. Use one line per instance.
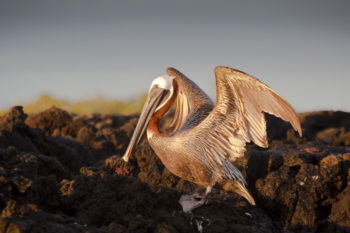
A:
(57, 174)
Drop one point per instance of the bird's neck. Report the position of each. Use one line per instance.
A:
(153, 126)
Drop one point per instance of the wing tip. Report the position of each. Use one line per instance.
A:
(298, 129)
(295, 121)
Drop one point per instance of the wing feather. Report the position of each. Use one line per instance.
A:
(182, 111)
(190, 101)
(238, 116)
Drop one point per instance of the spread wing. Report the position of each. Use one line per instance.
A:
(190, 98)
(238, 115)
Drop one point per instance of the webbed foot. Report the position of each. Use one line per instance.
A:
(190, 202)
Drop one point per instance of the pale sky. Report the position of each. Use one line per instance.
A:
(80, 49)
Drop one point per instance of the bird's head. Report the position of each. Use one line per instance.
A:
(162, 87)
(159, 94)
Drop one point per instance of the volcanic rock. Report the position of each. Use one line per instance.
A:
(58, 174)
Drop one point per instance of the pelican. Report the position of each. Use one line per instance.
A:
(205, 138)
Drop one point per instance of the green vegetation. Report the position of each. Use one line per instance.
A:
(96, 105)
(44, 102)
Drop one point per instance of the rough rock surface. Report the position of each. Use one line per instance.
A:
(57, 174)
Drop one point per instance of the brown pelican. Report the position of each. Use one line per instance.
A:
(207, 138)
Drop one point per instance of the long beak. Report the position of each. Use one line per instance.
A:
(154, 98)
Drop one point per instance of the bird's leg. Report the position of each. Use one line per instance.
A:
(190, 202)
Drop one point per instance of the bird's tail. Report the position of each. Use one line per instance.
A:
(238, 187)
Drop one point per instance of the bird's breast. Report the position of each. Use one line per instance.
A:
(181, 159)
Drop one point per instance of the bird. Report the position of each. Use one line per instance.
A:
(205, 138)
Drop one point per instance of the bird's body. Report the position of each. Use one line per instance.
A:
(207, 138)
(177, 150)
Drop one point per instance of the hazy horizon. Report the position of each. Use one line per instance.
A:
(77, 50)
